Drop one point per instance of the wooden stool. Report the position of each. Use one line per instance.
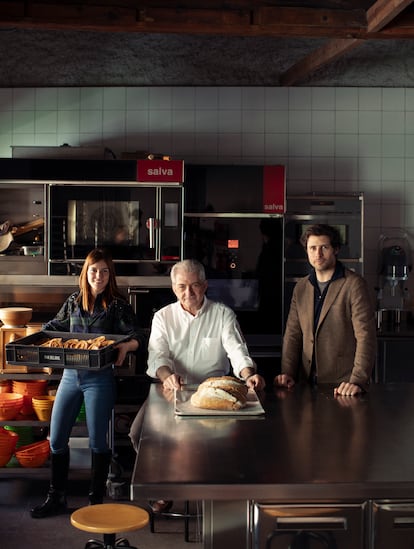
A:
(109, 519)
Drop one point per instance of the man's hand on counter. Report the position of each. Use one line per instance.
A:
(169, 380)
(347, 389)
(284, 380)
(256, 382)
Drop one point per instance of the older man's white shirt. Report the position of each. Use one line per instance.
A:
(196, 347)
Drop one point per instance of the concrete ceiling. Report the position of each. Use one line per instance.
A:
(239, 43)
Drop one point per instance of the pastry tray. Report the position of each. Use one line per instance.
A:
(27, 351)
(183, 406)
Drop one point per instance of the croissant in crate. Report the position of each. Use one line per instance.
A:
(73, 343)
(220, 393)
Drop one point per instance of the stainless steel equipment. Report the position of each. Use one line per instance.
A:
(312, 462)
(395, 264)
(393, 524)
(22, 206)
(230, 228)
(331, 526)
(140, 223)
(135, 210)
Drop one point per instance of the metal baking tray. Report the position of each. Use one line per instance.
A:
(27, 351)
(183, 406)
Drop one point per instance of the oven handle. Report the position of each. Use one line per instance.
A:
(133, 292)
(152, 226)
(403, 522)
(310, 523)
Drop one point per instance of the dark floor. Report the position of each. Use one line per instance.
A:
(18, 529)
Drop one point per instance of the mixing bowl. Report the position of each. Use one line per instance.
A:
(15, 317)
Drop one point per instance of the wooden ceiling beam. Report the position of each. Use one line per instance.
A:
(379, 15)
(383, 12)
(240, 19)
(316, 59)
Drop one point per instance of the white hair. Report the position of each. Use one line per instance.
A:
(189, 266)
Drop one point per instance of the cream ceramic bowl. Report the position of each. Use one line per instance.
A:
(15, 317)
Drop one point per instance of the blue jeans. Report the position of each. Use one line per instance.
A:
(97, 389)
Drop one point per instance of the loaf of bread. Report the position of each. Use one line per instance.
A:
(220, 393)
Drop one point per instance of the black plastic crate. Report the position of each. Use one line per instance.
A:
(28, 351)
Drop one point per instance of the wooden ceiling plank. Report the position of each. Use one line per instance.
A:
(73, 13)
(311, 17)
(253, 21)
(258, 21)
(323, 55)
(196, 17)
(378, 15)
(383, 12)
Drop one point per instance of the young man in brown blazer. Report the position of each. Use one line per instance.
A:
(330, 334)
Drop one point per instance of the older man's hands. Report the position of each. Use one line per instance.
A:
(256, 382)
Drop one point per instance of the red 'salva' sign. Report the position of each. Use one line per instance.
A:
(160, 171)
(274, 189)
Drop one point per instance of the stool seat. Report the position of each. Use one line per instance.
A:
(109, 519)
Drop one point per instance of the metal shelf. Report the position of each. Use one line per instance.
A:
(24, 423)
(39, 472)
(22, 377)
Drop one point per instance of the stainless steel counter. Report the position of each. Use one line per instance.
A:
(308, 447)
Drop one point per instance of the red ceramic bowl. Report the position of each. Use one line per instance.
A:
(10, 405)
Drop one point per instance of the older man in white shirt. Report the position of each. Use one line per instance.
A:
(193, 339)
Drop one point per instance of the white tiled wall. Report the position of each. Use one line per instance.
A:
(330, 139)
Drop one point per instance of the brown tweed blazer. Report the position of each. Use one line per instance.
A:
(345, 339)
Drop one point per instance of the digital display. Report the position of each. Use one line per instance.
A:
(233, 244)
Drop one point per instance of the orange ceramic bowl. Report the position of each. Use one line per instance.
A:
(42, 405)
(29, 389)
(10, 405)
(35, 448)
(36, 460)
(5, 458)
(8, 440)
(33, 455)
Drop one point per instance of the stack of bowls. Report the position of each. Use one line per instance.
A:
(29, 389)
(8, 441)
(11, 405)
(42, 405)
(24, 432)
(5, 386)
(33, 455)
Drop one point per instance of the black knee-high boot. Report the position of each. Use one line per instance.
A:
(100, 470)
(55, 502)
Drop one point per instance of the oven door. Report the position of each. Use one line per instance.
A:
(137, 223)
(243, 258)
